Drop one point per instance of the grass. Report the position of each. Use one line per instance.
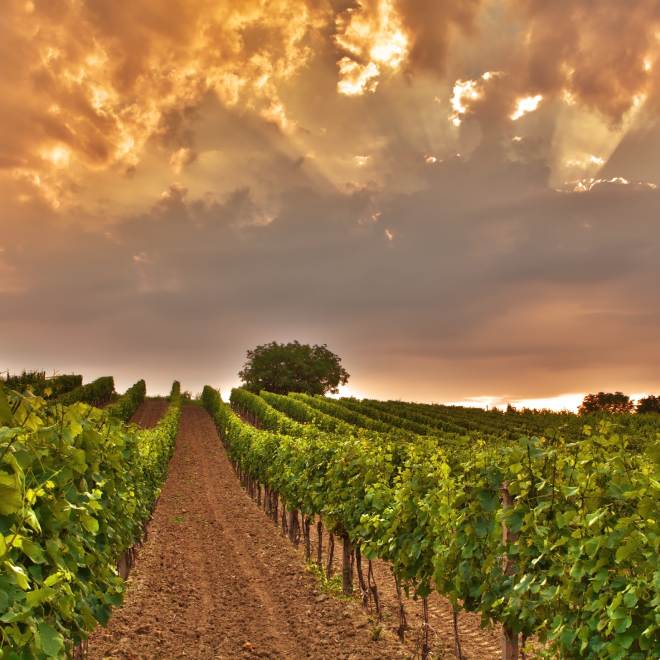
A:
(331, 586)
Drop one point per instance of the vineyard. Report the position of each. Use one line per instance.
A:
(542, 526)
(545, 524)
(77, 487)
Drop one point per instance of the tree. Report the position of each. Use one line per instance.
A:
(609, 402)
(649, 404)
(293, 367)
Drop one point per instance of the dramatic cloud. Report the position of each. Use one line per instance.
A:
(90, 84)
(601, 54)
(460, 197)
(517, 291)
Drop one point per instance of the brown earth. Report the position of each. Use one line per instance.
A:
(477, 643)
(149, 412)
(214, 579)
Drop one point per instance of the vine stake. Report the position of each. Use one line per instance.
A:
(403, 623)
(509, 638)
(373, 588)
(347, 565)
(426, 649)
(331, 555)
(319, 546)
(457, 637)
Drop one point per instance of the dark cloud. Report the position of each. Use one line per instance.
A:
(511, 287)
(603, 53)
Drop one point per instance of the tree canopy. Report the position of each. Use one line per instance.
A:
(610, 402)
(649, 404)
(293, 367)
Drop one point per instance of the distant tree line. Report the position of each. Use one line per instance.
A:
(618, 402)
(38, 383)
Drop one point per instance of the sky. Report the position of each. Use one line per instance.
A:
(460, 198)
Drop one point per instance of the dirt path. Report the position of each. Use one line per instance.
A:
(149, 412)
(214, 579)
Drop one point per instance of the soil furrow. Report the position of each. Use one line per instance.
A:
(214, 579)
(149, 412)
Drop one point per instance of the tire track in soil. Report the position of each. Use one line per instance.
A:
(214, 579)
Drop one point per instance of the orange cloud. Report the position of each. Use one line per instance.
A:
(95, 86)
(599, 54)
(372, 39)
(89, 85)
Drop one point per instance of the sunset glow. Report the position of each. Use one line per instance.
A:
(375, 42)
(464, 92)
(526, 105)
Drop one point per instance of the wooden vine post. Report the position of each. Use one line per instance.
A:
(364, 589)
(457, 637)
(307, 537)
(319, 547)
(403, 622)
(509, 638)
(347, 565)
(373, 588)
(331, 555)
(426, 647)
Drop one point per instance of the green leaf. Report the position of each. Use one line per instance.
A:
(50, 641)
(11, 499)
(594, 517)
(38, 596)
(6, 418)
(488, 500)
(626, 550)
(19, 574)
(53, 579)
(90, 523)
(34, 551)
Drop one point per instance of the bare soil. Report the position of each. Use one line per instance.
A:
(215, 579)
(149, 412)
(477, 643)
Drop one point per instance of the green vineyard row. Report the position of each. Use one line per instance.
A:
(77, 487)
(577, 564)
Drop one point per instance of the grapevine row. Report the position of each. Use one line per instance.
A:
(77, 487)
(576, 566)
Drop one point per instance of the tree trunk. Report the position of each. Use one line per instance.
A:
(361, 581)
(457, 637)
(331, 555)
(347, 566)
(373, 588)
(308, 541)
(319, 544)
(403, 623)
(294, 527)
(426, 649)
